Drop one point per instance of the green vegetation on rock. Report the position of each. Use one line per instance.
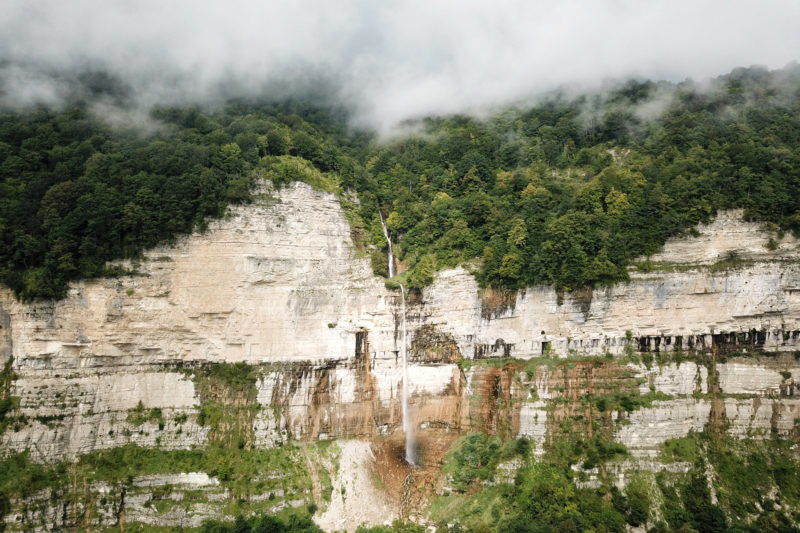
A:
(754, 486)
(7, 402)
(243, 475)
(228, 395)
(566, 192)
(293, 523)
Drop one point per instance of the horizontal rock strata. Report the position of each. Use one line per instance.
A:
(278, 285)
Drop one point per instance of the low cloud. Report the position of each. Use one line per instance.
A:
(387, 61)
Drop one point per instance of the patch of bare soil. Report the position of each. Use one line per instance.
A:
(411, 486)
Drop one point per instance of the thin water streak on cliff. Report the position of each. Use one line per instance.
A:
(408, 425)
(389, 253)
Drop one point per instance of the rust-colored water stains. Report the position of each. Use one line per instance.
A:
(306, 401)
(495, 406)
(580, 383)
(498, 393)
(447, 411)
(488, 398)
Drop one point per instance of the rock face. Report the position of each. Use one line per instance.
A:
(279, 285)
(755, 307)
(71, 413)
(273, 282)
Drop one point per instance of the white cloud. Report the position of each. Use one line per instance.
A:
(389, 60)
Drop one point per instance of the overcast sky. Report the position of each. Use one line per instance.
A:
(390, 60)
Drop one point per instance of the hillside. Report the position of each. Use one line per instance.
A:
(603, 326)
(567, 192)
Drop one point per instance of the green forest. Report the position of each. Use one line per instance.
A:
(566, 191)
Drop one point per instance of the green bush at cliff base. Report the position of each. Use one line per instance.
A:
(242, 472)
(541, 497)
(398, 526)
(473, 458)
(545, 499)
(756, 484)
(19, 476)
(291, 522)
(680, 449)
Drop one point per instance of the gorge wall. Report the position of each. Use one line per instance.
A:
(279, 286)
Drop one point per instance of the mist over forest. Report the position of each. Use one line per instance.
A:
(538, 142)
(534, 144)
(385, 63)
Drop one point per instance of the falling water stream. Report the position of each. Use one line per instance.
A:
(390, 255)
(408, 425)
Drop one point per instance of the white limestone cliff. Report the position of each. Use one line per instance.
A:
(279, 284)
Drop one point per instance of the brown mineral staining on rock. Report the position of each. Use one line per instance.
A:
(281, 288)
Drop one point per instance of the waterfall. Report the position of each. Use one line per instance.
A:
(408, 425)
(389, 241)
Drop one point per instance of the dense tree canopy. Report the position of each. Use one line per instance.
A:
(566, 192)
(77, 193)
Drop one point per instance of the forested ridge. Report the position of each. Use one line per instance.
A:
(565, 192)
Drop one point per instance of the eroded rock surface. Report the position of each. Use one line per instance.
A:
(279, 285)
